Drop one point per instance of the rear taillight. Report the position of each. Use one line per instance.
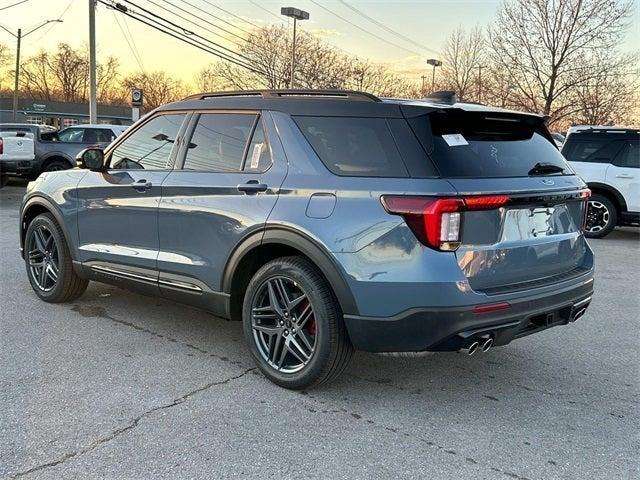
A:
(1, 147)
(436, 222)
(585, 195)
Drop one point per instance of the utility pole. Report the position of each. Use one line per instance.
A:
(16, 77)
(423, 78)
(93, 103)
(296, 14)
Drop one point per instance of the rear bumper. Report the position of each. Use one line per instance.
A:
(450, 329)
(18, 167)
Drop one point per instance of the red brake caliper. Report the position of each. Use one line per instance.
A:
(311, 323)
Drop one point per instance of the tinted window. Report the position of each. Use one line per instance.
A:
(73, 135)
(258, 155)
(358, 147)
(218, 142)
(629, 157)
(597, 150)
(149, 147)
(485, 145)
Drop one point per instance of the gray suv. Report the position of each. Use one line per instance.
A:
(327, 222)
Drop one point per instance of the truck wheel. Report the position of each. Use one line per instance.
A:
(293, 324)
(56, 165)
(602, 217)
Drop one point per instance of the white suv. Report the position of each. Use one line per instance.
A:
(608, 160)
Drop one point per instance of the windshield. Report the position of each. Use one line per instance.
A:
(487, 145)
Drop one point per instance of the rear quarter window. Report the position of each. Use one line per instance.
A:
(354, 146)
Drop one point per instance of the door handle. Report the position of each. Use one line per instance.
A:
(142, 185)
(624, 175)
(252, 186)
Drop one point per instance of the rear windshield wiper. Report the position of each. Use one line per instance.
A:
(542, 168)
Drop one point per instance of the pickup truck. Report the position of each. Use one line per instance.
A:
(27, 150)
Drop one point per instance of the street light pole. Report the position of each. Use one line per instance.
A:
(93, 101)
(296, 14)
(434, 63)
(16, 77)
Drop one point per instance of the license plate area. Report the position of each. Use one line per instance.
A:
(534, 222)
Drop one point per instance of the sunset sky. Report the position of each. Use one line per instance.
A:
(426, 22)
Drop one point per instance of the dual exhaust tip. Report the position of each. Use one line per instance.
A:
(485, 343)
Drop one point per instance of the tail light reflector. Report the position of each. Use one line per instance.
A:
(435, 221)
(1, 147)
(493, 307)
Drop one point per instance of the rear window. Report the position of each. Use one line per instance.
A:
(485, 145)
(357, 147)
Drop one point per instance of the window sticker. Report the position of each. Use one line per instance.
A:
(454, 139)
(255, 156)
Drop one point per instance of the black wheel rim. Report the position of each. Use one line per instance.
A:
(598, 217)
(44, 258)
(283, 324)
(55, 168)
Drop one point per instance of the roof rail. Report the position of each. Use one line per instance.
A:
(336, 94)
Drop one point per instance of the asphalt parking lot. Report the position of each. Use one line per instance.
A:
(118, 385)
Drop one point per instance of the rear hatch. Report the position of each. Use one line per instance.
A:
(527, 231)
(16, 145)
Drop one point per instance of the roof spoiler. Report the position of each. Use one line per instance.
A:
(442, 96)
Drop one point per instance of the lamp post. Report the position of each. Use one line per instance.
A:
(19, 36)
(296, 14)
(434, 63)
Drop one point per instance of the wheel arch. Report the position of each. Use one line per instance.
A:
(275, 242)
(607, 190)
(36, 206)
(54, 156)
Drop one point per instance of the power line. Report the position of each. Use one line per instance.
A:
(383, 26)
(134, 51)
(256, 4)
(185, 31)
(220, 19)
(231, 14)
(182, 36)
(364, 29)
(13, 5)
(198, 25)
(133, 41)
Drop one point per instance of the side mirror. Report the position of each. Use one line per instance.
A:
(91, 158)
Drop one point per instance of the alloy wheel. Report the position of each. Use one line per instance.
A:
(598, 216)
(283, 324)
(44, 258)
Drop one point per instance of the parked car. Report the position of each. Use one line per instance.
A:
(608, 159)
(326, 221)
(28, 150)
(558, 139)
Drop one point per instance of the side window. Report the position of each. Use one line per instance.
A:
(354, 146)
(149, 147)
(629, 157)
(73, 135)
(98, 135)
(218, 142)
(596, 151)
(258, 155)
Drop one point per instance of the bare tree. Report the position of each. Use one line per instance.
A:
(318, 65)
(548, 47)
(463, 59)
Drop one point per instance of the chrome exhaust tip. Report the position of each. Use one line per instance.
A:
(487, 344)
(471, 348)
(579, 314)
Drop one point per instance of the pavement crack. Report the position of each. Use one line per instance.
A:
(132, 425)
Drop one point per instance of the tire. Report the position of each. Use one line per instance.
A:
(45, 248)
(56, 165)
(313, 309)
(602, 216)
